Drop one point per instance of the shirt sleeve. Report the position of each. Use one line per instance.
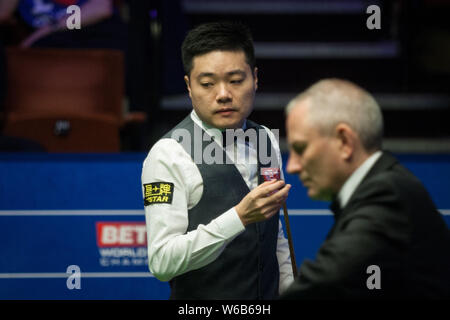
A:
(171, 250)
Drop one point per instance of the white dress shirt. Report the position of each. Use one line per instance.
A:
(355, 179)
(172, 251)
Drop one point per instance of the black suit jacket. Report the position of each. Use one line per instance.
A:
(390, 222)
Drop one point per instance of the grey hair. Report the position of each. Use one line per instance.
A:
(334, 101)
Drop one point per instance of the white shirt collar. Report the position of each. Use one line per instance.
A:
(355, 179)
(211, 131)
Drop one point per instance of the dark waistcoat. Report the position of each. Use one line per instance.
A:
(248, 266)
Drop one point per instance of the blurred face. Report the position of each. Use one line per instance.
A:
(313, 156)
(222, 88)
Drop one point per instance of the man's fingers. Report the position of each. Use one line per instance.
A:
(267, 183)
(275, 201)
(272, 211)
(263, 202)
(280, 195)
(272, 186)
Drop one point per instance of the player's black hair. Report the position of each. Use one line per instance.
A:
(226, 36)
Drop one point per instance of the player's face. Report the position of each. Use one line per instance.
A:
(222, 88)
(313, 156)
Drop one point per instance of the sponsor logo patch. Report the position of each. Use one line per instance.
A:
(158, 192)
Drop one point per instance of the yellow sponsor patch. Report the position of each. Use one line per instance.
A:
(158, 192)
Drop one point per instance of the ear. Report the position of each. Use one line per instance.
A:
(347, 140)
(255, 77)
(188, 85)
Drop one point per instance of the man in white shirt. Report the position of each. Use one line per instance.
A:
(213, 226)
(388, 239)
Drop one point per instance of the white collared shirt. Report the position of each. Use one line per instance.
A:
(355, 179)
(172, 251)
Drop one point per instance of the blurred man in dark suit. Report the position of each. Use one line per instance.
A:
(388, 239)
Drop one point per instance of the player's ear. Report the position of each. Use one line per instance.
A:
(188, 85)
(255, 77)
(347, 140)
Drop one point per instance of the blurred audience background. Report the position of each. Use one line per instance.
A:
(406, 62)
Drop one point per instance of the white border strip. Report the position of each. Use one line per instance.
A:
(82, 275)
(16, 213)
(310, 212)
(325, 212)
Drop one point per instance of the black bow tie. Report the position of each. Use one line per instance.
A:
(335, 207)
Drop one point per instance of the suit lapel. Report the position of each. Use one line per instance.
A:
(385, 162)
